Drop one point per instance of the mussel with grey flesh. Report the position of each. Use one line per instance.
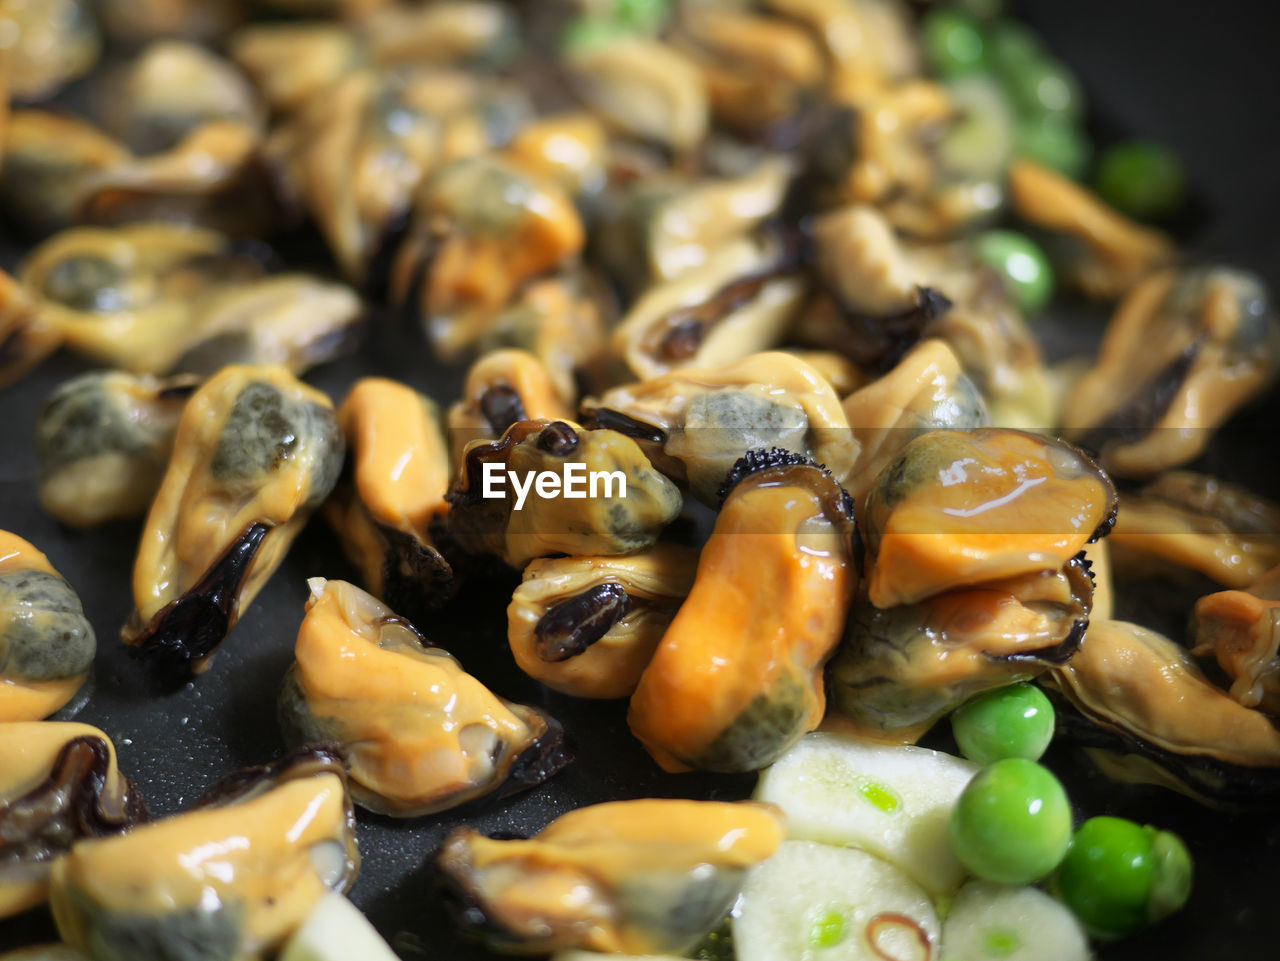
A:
(103, 440)
(47, 159)
(482, 227)
(899, 669)
(173, 87)
(46, 643)
(737, 677)
(603, 496)
(256, 451)
(696, 423)
(925, 391)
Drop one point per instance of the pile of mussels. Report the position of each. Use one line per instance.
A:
(721, 257)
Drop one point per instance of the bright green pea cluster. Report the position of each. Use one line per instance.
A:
(1038, 110)
(1012, 824)
(1042, 94)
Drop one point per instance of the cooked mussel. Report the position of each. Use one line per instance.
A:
(559, 319)
(1184, 350)
(294, 320)
(256, 451)
(588, 626)
(548, 487)
(883, 295)
(503, 387)
(837, 369)
(900, 669)
(473, 34)
(26, 336)
(1147, 715)
(46, 642)
(695, 424)
(879, 145)
(482, 227)
(54, 42)
(213, 177)
(58, 783)
(644, 88)
(355, 156)
(687, 229)
(135, 21)
(867, 43)
(171, 89)
(102, 442)
(293, 63)
(47, 157)
(760, 71)
(395, 488)
(1183, 521)
(740, 301)
(1240, 630)
(737, 678)
(570, 149)
(127, 296)
(957, 508)
(632, 877)
(1098, 250)
(925, 391)
(419, 733)
(153, 298)
(228, 880)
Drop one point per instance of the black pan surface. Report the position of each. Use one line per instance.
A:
(1197, 76)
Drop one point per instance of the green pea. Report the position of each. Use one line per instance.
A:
(1011, 46)
(1119, 876)
(1143, 179)
(1045, 87)
(980, 141)
(646, 16)
(953, 42)
(1055, 142)
(1028, 277)
(590, 33)
(1013, 721)
(1012, 824)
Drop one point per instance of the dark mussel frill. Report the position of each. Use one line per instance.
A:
(58, 783)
